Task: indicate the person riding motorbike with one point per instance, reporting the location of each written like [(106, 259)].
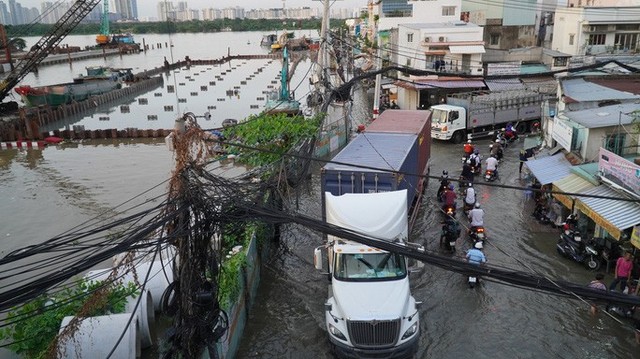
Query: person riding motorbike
[(467, 173), (492, 165), (449, 197), (450, 232), (510, 132), (469, 197), (444, 184), (496, 149), (476, 161), (475, 255), (476, 217), (468, 148)]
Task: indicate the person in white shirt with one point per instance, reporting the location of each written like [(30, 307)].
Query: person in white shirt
[(476, 217), (492, 164), (470, 196)]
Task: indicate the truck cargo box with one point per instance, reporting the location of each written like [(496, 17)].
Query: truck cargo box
[(392, 160), (417, 122)]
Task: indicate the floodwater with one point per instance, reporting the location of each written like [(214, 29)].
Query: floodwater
[(46, 192), (490, 321)]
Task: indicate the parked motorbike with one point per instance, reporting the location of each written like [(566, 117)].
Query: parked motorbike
[(477, 234), (570, 245), (540, 213), (489, 176)]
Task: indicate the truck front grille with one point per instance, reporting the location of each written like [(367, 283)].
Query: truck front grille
[(373, 333)]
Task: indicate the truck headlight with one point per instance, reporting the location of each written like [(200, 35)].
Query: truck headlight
[(411, 331), (336, 333)]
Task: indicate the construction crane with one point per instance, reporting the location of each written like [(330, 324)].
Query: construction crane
[(43, 47), (104, 36)]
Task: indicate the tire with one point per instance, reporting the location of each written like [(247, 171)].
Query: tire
[(522, 127), (592, 263), (457, 137)]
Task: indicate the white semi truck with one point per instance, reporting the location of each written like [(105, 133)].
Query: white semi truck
[(477, 114), (370, 311)]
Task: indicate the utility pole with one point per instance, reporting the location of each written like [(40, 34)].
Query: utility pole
[(373, 28)]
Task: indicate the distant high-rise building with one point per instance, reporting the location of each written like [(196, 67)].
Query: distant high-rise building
[(12, 12), (134, 7), (166, 11), (4, 13), (125, 9)]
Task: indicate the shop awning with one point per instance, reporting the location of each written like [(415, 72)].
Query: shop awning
[(571, 184), (613, 215), (550, 169), (467, 49)]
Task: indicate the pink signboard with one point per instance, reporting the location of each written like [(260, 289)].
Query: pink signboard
[(619, 170)]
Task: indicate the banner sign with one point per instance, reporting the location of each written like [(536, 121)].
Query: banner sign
[(562, 133), (619, 170)]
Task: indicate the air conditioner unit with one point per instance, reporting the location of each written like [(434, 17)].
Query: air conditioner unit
[(442, 39), (427, 39)]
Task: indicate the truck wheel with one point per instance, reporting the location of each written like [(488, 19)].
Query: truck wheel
[(457, 137), (522, 127)]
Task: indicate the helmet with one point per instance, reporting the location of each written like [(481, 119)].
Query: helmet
[(468, 141), (477, 204), (468, 162), (451, 187), (476, 151), (497, 141), (478, 245), (445, 173)]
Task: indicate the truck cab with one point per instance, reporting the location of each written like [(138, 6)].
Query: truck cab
[(448, 122), (370, 311)]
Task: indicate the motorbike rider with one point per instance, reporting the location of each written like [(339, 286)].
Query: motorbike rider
[(468, 148), (467, 173), (450, 230), (476, 161), (510, 132), (444, 184), (475, 255), (449, 197), (469, 197), (496, 149), (492, 164), (476, 217)]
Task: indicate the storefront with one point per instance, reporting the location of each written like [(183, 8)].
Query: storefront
[(612, 217), (572, 183)]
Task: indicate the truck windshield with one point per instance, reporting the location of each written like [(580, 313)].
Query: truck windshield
[(369, 267), (439, 116)]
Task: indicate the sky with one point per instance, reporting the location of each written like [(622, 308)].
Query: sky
[(148, 8)]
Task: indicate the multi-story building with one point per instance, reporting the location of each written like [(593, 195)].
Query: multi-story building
[(507, 24), (5, 17), (125, 8), (592, 29), (211, 14), (166, 11)]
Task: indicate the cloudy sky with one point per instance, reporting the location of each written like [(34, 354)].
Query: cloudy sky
[(148, 8)]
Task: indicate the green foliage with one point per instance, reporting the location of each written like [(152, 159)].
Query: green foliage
[(166, 27), (36, 323), (229, 279), (273, 134)]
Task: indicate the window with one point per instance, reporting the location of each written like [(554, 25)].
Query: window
[(626, 41), (494, 39), (597, 39), (448, 11), (571, 38), (560, 61), (410, 37)]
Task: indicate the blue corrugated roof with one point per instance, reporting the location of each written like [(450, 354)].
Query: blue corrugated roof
[(549, 169), (581, 90), (367, 150), (622, 214)]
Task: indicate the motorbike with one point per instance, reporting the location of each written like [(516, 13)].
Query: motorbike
[(540, 214), (489, 176), (443, 186), (449, 211), (477, 234), (450, 233), (472, 280), (570, 245)]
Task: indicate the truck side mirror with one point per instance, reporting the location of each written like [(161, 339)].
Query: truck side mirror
[(317, 258)]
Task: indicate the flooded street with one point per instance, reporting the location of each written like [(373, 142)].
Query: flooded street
[(48, 191), (493, 320)]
